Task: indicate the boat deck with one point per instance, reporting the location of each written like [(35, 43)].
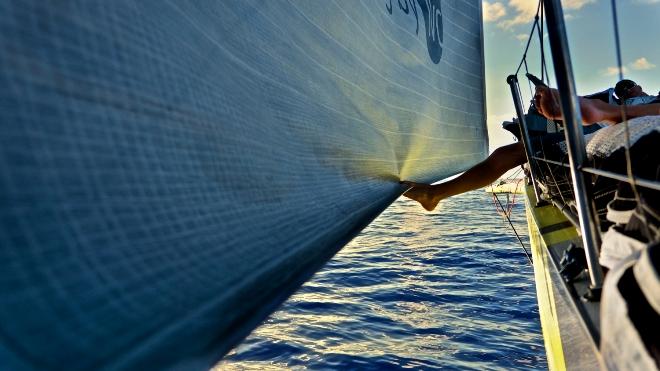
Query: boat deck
[(571, 326)]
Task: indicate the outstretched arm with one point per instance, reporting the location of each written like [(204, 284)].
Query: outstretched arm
[(480, 175), (546, 101)]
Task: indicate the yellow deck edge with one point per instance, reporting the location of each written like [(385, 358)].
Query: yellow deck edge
[(537, 217)]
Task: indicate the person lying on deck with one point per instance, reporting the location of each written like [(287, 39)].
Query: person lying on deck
[(632, 93), (507, 157)]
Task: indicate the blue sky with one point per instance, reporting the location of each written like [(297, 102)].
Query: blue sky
[(591, 41)]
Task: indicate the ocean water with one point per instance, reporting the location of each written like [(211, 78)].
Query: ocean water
[(450, 289)]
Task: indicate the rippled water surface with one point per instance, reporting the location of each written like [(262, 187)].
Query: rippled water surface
[(449, 289)]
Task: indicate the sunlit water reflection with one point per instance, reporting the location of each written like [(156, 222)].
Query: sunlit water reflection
[(415, 290)]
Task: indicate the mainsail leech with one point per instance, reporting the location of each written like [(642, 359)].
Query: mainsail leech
[(171, 171)]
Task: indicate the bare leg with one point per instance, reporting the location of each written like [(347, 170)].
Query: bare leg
[(480, 175)]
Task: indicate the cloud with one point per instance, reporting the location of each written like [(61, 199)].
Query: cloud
[(494, 11), (613, 71), (525, 10), (639, 64), (575, 4), (648, 1), (522, 36), (642, 64)]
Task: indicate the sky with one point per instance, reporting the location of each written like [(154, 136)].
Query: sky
[(590, 29)]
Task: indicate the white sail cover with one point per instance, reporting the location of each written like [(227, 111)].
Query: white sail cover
[(170, 171)]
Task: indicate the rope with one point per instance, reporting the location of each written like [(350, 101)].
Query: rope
[(509, 209), (515, 232), (510, 203)]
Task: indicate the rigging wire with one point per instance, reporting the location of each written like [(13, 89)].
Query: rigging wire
[(545, 76), (554, 180), (529, 258), (540, 29), (531, 33), (529, 40), (506, 212), (515, 174), (624, 113), (538, 26), (544, 73), (529, 83), (510, 203)]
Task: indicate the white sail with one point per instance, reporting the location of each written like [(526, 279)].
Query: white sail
[(171, 171)]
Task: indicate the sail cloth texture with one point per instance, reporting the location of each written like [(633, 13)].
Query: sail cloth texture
[(170, 171)]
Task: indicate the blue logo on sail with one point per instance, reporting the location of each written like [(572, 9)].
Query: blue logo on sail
[(432, 15)]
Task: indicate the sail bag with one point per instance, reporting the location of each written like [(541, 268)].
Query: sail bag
[(171, 171)]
